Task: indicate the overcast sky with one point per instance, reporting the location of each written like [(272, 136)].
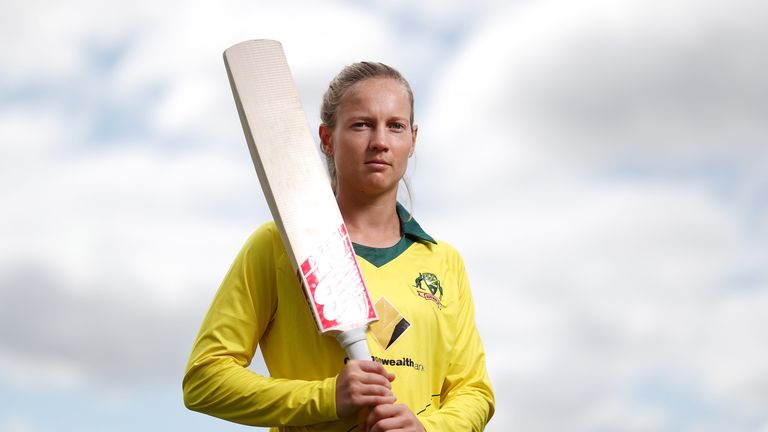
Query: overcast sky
[(601, 166)]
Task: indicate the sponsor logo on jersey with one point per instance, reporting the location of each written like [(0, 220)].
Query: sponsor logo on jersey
[(402, 362), (405, 361), (391, 324), (428, 287)]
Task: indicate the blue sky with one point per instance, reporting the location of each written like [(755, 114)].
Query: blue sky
[(599, 164)]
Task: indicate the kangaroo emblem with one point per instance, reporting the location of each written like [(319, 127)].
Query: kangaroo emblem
[(431, 281)]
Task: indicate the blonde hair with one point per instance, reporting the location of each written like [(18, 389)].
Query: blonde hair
[(345, 79)]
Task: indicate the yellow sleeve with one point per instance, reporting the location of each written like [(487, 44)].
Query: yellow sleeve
[(217, 381), (467, 401)]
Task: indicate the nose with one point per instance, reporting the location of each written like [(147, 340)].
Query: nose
[(379, 139)]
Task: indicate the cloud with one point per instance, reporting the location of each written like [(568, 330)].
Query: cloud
[(52, 338), (663, 85), (127, 183), (130, 217), (133, 141), (179, 58), (600, 167), (15, 424)]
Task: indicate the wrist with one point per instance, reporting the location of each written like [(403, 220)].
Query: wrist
[(328, 398)]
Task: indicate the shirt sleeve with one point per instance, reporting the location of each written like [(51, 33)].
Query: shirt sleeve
[(217, 379), (467, 401)]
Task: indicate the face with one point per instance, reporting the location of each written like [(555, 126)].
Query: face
[(373, 137)]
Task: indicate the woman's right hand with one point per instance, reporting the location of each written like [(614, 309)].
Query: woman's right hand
[(362, 384)]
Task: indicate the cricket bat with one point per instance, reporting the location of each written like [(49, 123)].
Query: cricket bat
[(298, 191)]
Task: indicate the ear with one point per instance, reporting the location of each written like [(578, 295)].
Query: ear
[(326, 139), (414, 133)]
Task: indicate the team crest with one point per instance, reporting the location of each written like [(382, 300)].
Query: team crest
[(428, 287)]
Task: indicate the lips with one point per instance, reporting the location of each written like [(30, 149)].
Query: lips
[(377, 162)]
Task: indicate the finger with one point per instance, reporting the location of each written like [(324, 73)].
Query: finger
[(370, 369), (370, 389), (379, 413), (377, 368), (374, 379), (388, 424), (351, 377), (359, 390), (357, 402), (371, 366), (373, 401), (392, 418)]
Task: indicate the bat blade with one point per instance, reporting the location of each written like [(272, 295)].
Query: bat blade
[(296, 186)]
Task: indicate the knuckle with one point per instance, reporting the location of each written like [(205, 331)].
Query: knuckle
[(379, 410)]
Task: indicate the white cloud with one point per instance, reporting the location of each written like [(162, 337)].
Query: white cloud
[(91, 210), (44, 41), (30, 136), (181, 59), (597, 163), (660, 83), (733, 357), (29, 373), (142, 227), (16, 424), (587, 298), (445, 14), (131, 214)]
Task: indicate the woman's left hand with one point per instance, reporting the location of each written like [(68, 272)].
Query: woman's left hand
[(388, 417)]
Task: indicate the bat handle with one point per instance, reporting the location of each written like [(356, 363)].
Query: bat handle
[(353, 341)]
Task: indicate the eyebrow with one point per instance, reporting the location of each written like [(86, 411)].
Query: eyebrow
[(369, 117)]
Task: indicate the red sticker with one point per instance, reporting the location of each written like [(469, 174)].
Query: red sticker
[(335, 284)]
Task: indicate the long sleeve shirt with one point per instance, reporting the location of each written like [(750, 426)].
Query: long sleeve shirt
[(426, 336)]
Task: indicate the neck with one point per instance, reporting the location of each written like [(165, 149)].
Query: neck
[(371, 221)]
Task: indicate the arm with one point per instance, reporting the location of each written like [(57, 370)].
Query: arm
[(217, 381), (467, 401)]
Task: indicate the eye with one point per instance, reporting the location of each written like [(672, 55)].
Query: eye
[(360, 124), (399, 126)]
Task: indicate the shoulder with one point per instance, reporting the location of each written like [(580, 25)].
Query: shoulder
[(444, 251), (264, 240), (267, 232), (444, 247)]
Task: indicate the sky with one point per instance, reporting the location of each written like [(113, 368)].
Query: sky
[(599, 164)]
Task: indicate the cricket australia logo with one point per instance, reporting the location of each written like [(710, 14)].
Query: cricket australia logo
[(428, 287)]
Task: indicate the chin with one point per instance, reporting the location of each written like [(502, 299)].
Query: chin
[(377, 189)]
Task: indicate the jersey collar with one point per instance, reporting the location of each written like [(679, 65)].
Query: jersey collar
[(412, 233), (410, 228)]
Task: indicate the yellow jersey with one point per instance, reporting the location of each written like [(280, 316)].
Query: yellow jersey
[(425, 335)]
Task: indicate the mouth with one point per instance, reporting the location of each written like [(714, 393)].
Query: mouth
[(377, 165)]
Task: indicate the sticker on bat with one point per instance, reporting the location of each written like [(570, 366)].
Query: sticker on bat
[(335, 284)]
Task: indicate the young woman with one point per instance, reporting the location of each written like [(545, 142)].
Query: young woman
[(428, 367)]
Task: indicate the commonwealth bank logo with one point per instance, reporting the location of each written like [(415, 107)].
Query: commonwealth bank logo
[(390, 326)]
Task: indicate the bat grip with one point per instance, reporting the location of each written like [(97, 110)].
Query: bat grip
[(353, 341)]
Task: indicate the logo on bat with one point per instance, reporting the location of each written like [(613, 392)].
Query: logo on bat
[(429, 288)]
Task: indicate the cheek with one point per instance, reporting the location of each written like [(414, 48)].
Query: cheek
[(343, 154), (348, 146), (406, 149)]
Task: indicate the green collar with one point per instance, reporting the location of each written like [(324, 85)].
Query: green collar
[(412, 232), (411, 228)]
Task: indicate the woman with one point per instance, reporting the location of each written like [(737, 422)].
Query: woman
[(428, 369)]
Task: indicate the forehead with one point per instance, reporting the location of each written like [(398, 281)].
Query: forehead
[(377, 93)]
